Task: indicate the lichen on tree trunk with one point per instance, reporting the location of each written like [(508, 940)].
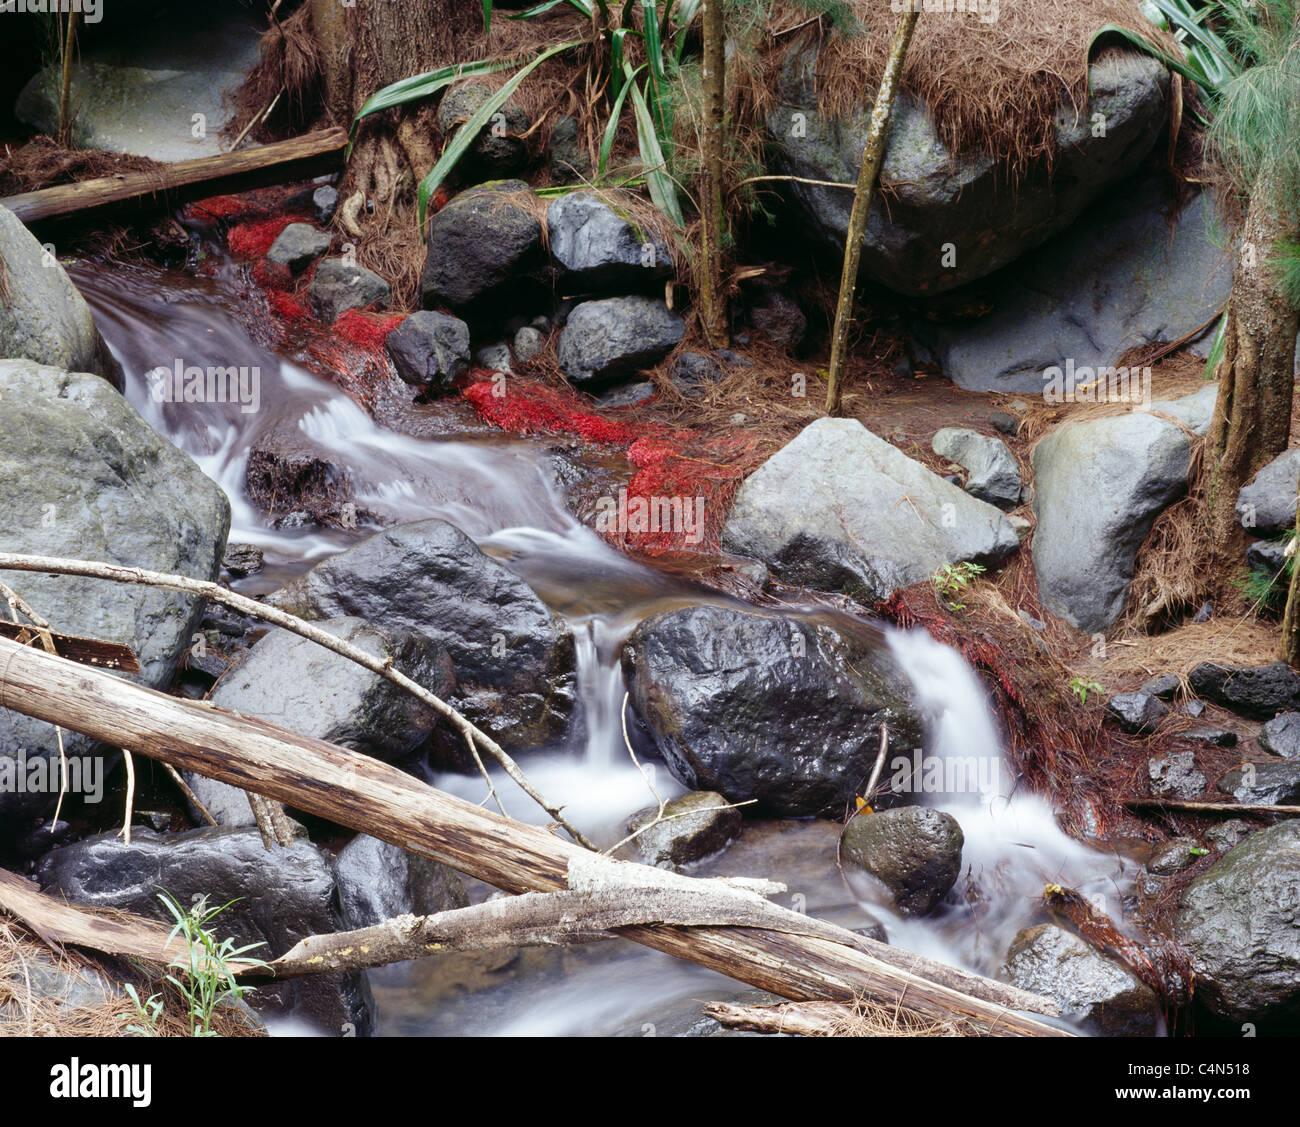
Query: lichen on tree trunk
[(1252, 415)]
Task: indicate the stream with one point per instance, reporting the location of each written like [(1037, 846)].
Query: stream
[(503, 493)]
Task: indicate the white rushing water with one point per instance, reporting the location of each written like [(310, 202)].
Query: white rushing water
[(505, 495)]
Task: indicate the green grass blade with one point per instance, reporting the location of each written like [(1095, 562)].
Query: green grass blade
[(662, 189), (421, 86), (487, 17), (584, 6), (658, 84), (468, 133), (1217, 347), (616, 54), (611, 126)]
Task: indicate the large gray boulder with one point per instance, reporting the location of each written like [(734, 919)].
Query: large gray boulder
[(83, 476), (841, 509), (725, 695), (291, 681), (1266, 504), (1237, 921), (596, 248), (514, 658), (940, 197), (693, 826), (1125, 274), (42, 316), (153, 87), (1102, 996), (1098, 488), (483, 249), (280, 897), (604, 341)]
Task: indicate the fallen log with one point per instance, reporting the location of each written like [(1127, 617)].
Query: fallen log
[(373, 797), (186, 180), (823, 1019)]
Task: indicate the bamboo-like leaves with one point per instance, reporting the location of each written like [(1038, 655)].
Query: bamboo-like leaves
[(663, 191)]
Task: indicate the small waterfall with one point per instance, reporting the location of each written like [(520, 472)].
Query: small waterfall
[(1013, 845)]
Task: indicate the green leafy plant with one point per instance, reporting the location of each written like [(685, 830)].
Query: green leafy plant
[(146, 1014), (1264, 590), (1081, 687), (205, 979), (952, 580), (648, 84)]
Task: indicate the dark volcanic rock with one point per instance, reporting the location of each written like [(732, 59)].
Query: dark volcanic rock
[(289, 473), (1274, 784), (914, 851), (1175, 775), (298, 246), (339, 285), (727, 694), (279, 898), (1165, 686), (1281, 736), (499, 149), (1266, 505), (1138, 713), (1101, 995), (1237, 921), (513, 657), (607, 340), (483, 250), (430, 348), (1258, 691), (378, 881), (598, 249)]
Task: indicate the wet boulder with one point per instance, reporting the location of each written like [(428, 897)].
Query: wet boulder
[(430, 348), (291, 681), (725, 695), (1174, 857), (1281, 736), (1272, 784), (1175, 775), (938, 196), (1257, 691), (693, 826), (1137, 713), (1238, 923), (83, 476), (596, 248), (1099, 487), (616, 337), (914, 851), (43, 318), (280, 897), (484, 251), (513, 658), (298, 246), (378, 881), (841, 509), (294, 479), (339, 285), (1266, 504), (1102, 996)]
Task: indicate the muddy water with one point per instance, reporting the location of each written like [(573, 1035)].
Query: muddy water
[(505, 494)]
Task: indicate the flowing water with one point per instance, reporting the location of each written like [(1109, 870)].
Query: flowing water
[(505, 495)]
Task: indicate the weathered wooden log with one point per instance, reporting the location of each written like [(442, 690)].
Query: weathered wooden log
[(383, 801), (277, 163), (1195, 807)]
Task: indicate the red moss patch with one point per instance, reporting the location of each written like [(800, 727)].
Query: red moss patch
[(256, 237), (287, 307), (367, 330), (272, 275)]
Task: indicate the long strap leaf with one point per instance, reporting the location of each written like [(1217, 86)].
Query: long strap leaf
[(422, 86), (663, 192), (468, 133)]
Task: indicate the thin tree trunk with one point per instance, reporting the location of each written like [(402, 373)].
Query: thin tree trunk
[(813, 960), (873, 154), (67, 47), (1289, 650), (713, 311), (1252, 415)]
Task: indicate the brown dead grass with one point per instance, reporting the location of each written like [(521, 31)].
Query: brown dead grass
[(30, 1015), (993, 88), (42, 163)]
